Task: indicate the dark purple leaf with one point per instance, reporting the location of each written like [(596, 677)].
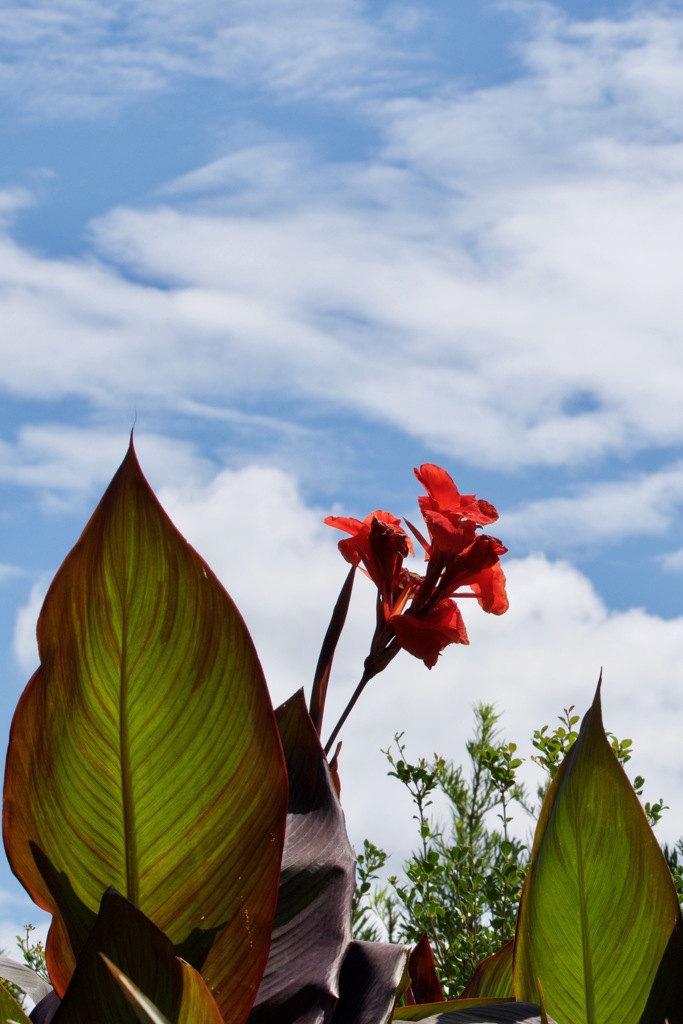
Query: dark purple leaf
[(312, 928), (324, 666), (369, 978), (44, 1011)]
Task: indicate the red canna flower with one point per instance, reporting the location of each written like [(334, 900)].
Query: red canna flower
[(414, 612), (419, 613)]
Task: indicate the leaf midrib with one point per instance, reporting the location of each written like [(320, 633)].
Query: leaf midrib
[(585, 943), (130, 846)]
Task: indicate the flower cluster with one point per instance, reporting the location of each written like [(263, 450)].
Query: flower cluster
[(419, 613)]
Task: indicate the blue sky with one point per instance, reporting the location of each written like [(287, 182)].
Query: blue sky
[(307, 247)]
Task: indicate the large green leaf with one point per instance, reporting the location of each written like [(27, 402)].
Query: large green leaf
[(125, 948), (599, 909), (144, 752), (312, 927)]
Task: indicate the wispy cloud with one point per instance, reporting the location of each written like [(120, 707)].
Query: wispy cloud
[(83, 59), (498, 281), (10, 572), (673, 561), (69, 465), (645, 503)]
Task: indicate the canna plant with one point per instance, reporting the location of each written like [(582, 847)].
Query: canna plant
[(188, 840)]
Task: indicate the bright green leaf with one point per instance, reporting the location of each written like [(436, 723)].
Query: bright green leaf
[(10, 1010), (599, 907), (144, 752)]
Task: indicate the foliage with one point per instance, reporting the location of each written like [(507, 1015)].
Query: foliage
[(462, 885), (33, 953)]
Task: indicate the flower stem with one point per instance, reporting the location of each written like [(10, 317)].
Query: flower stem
[(375, 663), (364, 680)]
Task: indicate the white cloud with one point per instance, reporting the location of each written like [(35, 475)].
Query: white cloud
[(10, 572), (397, 321), (673, 561), (499, 282), (12, 200), (643, 503), (84, 59), (24, 641), (69, 465)]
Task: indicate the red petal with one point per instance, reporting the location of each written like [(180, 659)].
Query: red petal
[(426, 637), (352, 526), (490, 589), (450, 535), (438, 485)]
